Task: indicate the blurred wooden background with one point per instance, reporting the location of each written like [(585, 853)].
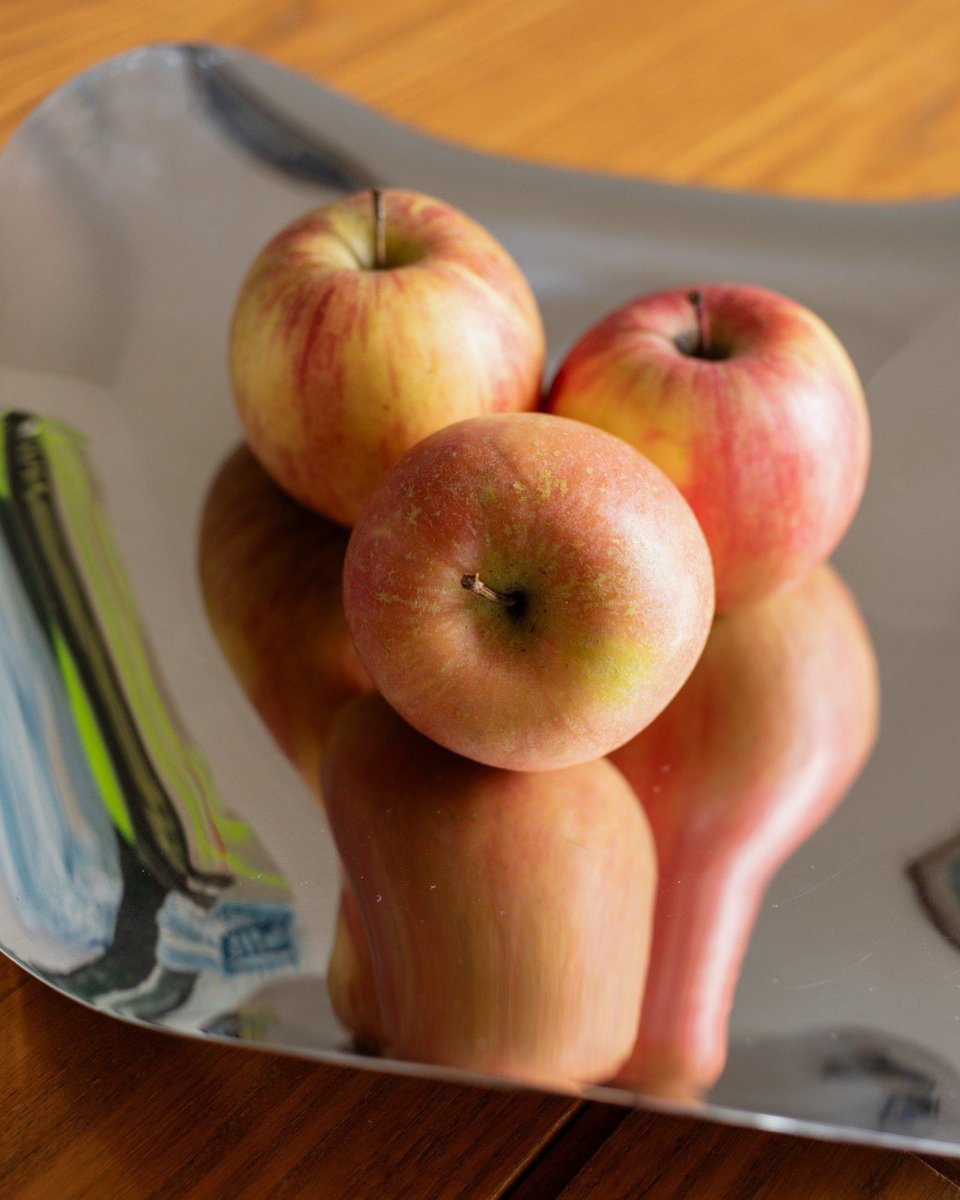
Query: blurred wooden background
[(819, 97), (812, 97)]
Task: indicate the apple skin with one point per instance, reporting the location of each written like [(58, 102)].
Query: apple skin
[(764, 740), (609, 564), (338, 367), (769, 444), (270, 575), (508, 913)]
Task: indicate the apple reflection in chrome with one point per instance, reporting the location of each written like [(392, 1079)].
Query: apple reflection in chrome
[(508, 913), (763, 741)]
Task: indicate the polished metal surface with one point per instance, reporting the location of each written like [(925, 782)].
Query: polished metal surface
[(159, 858)]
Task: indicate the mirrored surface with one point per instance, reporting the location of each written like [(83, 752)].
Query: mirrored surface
[(164, 858)]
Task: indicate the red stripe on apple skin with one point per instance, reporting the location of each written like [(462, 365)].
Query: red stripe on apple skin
[(761, 744), (614, 571), (770, 445), (337, 369)]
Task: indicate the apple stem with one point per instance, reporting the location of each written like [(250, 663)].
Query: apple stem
[(703, 334), (379, 230), (473, 583)]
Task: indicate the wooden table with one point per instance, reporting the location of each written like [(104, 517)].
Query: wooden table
[(828, 99)]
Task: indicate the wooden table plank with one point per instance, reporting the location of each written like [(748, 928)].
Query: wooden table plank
[(654, 1156), (561, 1160), (949, 1168), (94, 1107), (844, 100)]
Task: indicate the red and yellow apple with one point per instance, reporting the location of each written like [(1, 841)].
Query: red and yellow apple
[(761, 744), (527, 591), (355, 335), (507, 913), (751, 405), (270, 573)]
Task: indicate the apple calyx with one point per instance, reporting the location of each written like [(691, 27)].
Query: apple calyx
[(379, 230), (473, 583), (699, 345)]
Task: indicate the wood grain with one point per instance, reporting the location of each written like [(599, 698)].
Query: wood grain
[(93, 1107), (815, 97), (949, 1168), (827, 98), (654, 1156)]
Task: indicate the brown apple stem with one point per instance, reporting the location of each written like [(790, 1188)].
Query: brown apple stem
[(703, 334), (473, 583), (379, 230)]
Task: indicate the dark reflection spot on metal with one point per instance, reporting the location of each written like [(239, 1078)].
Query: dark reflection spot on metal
[(269, 135), (913, 1095), (936, 877), (847, 1075), (873, 1063)]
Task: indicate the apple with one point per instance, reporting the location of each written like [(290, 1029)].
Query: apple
[(527, 591), (508, 913), (761, 744), (270, 574), (368, 324), (750, 404)]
